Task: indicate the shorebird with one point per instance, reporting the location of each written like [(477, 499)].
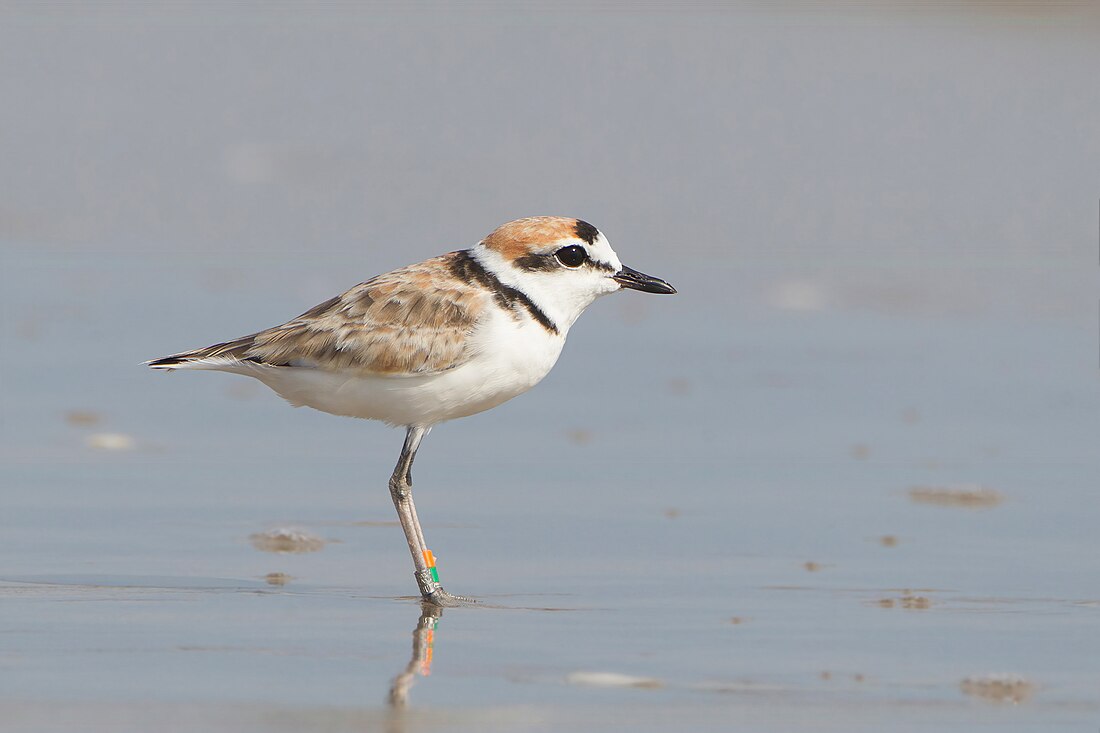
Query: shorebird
[(448, 337)]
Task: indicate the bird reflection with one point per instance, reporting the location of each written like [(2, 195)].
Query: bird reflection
[(421, 660)]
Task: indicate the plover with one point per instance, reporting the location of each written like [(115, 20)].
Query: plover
[(445, 338)]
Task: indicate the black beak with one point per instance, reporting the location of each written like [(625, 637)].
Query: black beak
[(630, 278)]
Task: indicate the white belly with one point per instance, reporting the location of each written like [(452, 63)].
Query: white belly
[(508, 359)]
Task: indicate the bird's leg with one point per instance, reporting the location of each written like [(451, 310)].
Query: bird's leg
[(401, 492), (427, 577)]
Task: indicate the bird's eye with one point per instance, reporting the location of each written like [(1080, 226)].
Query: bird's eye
[(572, 256)]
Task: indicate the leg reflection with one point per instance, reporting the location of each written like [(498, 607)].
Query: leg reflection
[(421, 661)]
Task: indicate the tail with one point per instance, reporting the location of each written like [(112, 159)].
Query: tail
[(218, 356)]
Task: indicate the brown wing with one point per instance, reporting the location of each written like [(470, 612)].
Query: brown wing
[(415, 320)]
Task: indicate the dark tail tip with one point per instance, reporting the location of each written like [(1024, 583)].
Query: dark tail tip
[(166, 362)]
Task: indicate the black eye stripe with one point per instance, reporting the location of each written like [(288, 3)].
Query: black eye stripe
[(549, 262), (536, 263)]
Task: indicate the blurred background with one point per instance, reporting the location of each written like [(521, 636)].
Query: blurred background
[(850, 467)]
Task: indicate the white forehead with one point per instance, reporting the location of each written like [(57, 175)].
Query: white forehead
[(600, 250)]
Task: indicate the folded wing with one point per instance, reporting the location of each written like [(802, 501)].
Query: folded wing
[(412, 321)]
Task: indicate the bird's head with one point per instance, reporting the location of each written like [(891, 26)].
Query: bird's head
[(562, 263)]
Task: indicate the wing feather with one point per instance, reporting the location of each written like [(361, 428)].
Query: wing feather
[(412, 321)]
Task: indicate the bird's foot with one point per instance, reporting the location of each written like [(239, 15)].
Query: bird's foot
[(432, 592), (440, 597)]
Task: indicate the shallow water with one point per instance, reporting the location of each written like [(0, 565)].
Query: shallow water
[(845, 480), (738, 559)]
